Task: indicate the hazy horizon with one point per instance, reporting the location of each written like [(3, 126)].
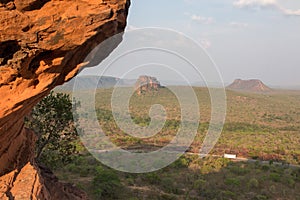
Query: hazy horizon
[(224, 39), (247, 39), (166, 82)]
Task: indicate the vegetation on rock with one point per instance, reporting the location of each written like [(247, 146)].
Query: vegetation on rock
[(52, 120)]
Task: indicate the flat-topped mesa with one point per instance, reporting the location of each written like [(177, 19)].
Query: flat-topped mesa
[(44, 43), (146, 84), (252, 85)]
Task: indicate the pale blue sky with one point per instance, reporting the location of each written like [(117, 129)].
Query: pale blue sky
[(246, 38)]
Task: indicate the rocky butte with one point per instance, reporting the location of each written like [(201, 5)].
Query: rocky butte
[(253, 85), (43, 43), (146, 84)]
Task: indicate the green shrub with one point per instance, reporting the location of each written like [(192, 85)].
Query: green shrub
[(169, 185), (290, 182), (153, 178), (80, 186), (84, 171), (130, 181), (200, 184), (79, 160), (260, 197), (253, 183), (274, 177), (246, 127), (265, 168), (91, 161), (168, 197), (72, 167), (182, 162), (106, 183), (141, 121), (228, 194), (272, 189), (232, 181), (238, 170), (212, 164)]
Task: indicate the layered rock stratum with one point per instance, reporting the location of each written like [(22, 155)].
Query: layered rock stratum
[(44, 43), (252, 85)]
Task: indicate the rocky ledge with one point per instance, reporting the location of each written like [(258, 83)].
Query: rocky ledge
[(43, 43)]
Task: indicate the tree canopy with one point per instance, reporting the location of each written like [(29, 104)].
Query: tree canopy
[(53, 121)]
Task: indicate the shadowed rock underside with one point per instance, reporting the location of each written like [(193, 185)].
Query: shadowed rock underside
[(44, 43)]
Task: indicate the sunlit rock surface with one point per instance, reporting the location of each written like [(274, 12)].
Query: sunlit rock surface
[(43, 43)]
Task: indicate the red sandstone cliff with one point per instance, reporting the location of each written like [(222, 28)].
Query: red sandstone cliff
[(43, 44)]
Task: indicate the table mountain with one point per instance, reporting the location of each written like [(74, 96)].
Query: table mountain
[(146, 84), (253, 85)]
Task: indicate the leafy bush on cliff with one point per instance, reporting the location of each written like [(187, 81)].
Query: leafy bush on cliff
[(52, 120)]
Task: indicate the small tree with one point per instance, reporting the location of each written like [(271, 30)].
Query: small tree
[(52, 120)]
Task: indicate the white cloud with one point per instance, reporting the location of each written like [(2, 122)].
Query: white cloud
[(205, 43), (238, 24), (202, 20), (259, 4), (254, 3), (290, 12)]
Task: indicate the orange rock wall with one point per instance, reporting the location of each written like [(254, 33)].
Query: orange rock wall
[(43, 43)]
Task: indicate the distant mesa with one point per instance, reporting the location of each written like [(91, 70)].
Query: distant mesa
[(146, 84), (253, 85), (96, 82)]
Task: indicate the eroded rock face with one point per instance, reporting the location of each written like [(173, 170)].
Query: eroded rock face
[(43, 43), (146, 84)]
